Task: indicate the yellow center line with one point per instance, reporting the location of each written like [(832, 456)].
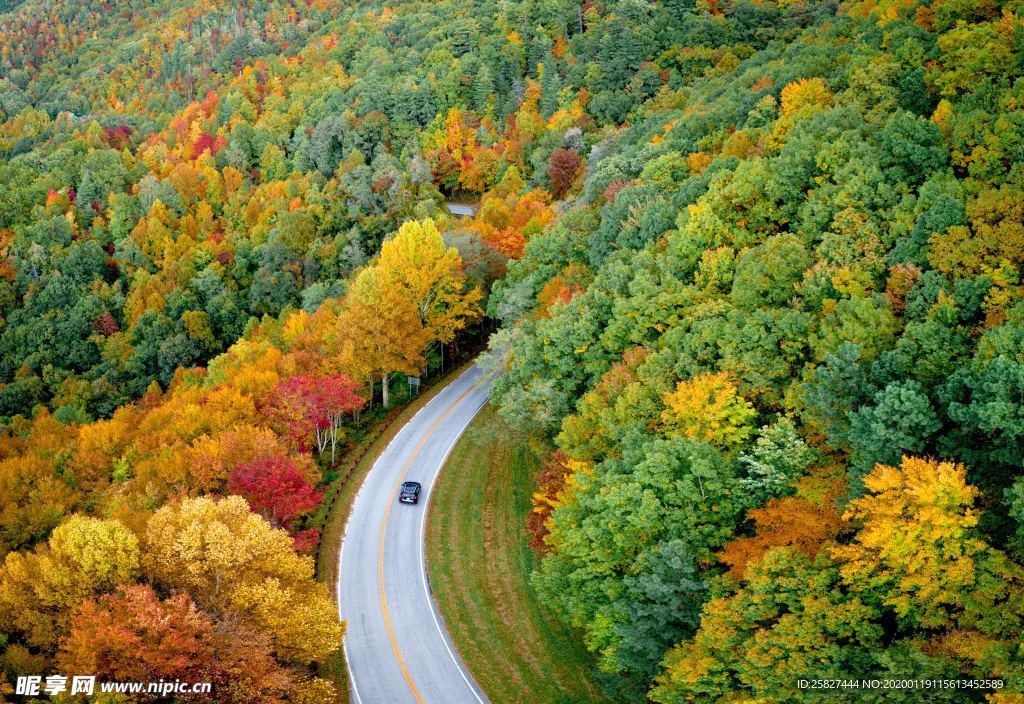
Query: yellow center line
[(380, 548)]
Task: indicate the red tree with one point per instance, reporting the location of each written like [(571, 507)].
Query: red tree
[(562, 168), (275, 489), (133, 635), (311, 405), (305, 540), (204, 143), (550, 479), (105, 324)]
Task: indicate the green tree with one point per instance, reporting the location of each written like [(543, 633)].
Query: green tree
[(660, 491), (790, 621), (900, 419), (550, 85), (766, 275), (661, 604), (483, 90), (103, 174)]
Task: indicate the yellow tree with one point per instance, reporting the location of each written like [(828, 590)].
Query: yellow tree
[(85, 557), (417, 263), (33, 498), (916, 550), (234, 564), (709, 408), (379, 330), (919, 554)]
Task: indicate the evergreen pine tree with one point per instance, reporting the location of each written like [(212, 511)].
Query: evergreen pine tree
[(483, 90), (549, 87)]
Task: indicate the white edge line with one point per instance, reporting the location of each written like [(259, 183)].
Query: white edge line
[(351, 677), (473, 687), (341, 557)]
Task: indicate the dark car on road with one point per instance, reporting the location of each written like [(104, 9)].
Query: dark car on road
[(410, 493)]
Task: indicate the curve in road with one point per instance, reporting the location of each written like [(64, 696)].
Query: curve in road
[(397, 647)]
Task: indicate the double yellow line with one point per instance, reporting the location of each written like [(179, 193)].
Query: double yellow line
[(380, 548)]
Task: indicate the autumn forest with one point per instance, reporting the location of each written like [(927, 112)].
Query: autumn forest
[(750, 272)]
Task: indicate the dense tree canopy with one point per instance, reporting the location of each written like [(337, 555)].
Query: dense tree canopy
[(775, 325)]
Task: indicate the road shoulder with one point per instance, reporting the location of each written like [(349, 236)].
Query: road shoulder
[(479, 565)]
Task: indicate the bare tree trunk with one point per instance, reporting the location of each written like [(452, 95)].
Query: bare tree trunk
[(384, 389)]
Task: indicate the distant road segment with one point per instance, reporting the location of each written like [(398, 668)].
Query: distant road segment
[(462, 209)]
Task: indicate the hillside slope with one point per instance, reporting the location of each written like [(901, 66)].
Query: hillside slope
[(777, 337)]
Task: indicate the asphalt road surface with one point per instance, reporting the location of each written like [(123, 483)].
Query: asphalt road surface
[(397, 647), (461, 209)]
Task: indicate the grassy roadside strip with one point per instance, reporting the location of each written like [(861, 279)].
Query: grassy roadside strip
[(479, 564), (332, 516)]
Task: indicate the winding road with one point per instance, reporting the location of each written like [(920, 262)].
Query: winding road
[(396, 644)]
